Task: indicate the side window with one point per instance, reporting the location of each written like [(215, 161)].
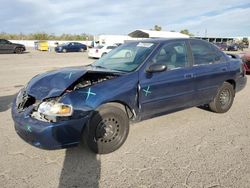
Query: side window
[(173, 55), (3, 42), (203, 53)]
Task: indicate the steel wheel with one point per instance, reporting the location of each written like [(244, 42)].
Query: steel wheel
[(224, 99), (107, 130)]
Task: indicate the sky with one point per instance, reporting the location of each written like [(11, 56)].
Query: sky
[(228, 18)]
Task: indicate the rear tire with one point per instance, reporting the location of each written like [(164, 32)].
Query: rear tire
[(224, 99), (107, 129)]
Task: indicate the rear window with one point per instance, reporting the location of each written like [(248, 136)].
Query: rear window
[(203, 53)]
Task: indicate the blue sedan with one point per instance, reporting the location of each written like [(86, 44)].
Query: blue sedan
[(136, 81), (71, 47)]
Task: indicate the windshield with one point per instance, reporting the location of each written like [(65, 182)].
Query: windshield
[(126, 57)]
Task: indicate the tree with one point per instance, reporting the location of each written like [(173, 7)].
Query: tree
[(186, 32), (245, 41), (157, 28), (45, 36)]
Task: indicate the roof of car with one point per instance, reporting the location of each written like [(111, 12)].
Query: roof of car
[(163, 40), (166, 39)]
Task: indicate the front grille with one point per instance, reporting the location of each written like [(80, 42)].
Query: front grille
[(24, 100)]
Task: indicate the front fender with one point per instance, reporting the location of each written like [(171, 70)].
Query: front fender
[(122, 89)]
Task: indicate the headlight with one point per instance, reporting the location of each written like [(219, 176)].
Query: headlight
[(55, 109)]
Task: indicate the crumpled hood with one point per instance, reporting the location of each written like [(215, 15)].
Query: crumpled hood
[(54, 83)]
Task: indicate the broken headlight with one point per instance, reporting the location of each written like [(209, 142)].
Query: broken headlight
[(52, 108)]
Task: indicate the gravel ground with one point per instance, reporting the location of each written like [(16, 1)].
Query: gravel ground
[(190, 148)]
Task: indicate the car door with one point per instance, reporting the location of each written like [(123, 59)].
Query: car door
[(169, 90), (70, 47), (5, 46), (1, 46), (75, 47), (210, 67)]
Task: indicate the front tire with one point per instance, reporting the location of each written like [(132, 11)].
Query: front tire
[(107, 130), (64, 51), (18, 50), (224, 99)]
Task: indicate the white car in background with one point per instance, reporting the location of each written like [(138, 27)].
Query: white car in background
[(100, 50)]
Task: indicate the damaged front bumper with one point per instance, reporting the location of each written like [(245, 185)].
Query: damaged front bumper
[(47, 135)]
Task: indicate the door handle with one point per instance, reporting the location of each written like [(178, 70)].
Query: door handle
[(189, 75)]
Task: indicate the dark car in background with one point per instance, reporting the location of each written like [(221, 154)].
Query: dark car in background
[(71, 47), (97, 102), (9, 47), (221, 46), (233, 47)]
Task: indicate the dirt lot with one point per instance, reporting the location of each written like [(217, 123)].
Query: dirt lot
[(191, 148)]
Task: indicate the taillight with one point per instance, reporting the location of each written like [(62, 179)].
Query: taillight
[(244, 69), (96, 51)]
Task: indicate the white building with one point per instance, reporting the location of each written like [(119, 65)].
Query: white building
[(111, 39), (142, 33)]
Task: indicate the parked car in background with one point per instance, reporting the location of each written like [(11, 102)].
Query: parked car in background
[(135, 81), (9, 47), (221, 46), (246, 59), (233, 47), (100, 50), (71, 47)]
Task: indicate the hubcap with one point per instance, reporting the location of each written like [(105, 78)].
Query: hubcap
[(107, 130), (225, 97)]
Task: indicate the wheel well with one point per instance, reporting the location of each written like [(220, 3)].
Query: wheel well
[(232, 82), (130, 113)]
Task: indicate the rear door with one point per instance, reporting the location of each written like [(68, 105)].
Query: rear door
[(75, 47), (210, 70), (172, 89)]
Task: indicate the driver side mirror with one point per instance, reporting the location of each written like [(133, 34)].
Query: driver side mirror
[(156, 68)]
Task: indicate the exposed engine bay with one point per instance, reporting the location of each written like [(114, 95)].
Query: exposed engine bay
[(93, 78)]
